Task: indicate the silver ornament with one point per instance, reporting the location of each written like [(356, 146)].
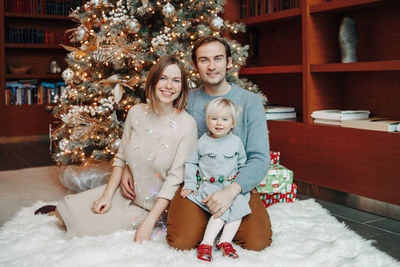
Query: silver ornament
[(132, 25), (168, 10), (67, 75), (217, 23), (81, 34)]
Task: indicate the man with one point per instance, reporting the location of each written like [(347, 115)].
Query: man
[(186, 221)]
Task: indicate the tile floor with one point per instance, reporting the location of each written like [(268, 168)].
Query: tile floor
[(385, 231)]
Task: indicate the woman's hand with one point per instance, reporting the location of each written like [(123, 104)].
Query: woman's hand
[(186, 192), (102, 205), (127, 184), (144, 232)]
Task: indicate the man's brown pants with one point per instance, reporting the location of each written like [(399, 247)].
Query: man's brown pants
[(187, 222)]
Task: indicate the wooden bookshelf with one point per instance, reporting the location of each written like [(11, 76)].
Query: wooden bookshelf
[(299, 65), (22, 120), (35, 16), (34, 46)]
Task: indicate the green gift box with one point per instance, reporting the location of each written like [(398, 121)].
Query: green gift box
[(278, 180)]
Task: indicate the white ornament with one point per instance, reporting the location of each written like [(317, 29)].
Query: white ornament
[(118, 92), (63, 144), (168, 10), (81, 34), (217, 23), (132, 25), (67, 75)]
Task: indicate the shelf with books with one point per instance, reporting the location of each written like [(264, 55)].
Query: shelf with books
[(29, 46), (385, 65), (289, 14), (283, 89), (377, 91)]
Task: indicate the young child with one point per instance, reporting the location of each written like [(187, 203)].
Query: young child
[(211, 166)]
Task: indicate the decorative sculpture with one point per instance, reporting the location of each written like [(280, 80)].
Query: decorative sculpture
[(348, 40)]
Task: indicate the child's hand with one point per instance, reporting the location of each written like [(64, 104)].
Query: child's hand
[(186, 192), (101, 206)]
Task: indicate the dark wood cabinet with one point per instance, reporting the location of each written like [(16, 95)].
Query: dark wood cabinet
[(298, 64), (21, 120)]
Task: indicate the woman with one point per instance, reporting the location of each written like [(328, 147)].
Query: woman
[(156, 140)]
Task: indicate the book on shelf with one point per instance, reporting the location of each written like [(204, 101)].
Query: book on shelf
[(377, 124), (328, 122), (281, 115), (340, 115), (278, 109), (251, 8), (275, 112), (28, 92)]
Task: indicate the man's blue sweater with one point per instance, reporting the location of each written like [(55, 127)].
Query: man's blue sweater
[(251, 128)]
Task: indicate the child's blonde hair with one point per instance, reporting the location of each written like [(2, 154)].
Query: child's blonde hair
[(219, 104)]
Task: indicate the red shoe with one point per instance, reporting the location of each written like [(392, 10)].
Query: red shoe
[(204, 252), (227, 250)]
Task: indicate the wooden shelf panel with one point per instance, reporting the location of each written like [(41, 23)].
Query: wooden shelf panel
[(24, 120), (33, 76), (272, 70), (288, 138), (275, 16), (356, 161), (35, 16), (387, 65), (341, 5), (34, 46)]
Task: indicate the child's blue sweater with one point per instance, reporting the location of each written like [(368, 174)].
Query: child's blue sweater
[(251, 128)]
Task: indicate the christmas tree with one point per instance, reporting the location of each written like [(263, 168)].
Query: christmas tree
[(116, 44)]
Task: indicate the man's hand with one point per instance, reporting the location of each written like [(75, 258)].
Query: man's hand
[(219, 201), (127, 184)]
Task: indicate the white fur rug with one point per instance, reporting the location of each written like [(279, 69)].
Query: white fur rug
[(304, 235)]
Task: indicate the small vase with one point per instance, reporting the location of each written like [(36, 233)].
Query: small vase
[(348, 40)]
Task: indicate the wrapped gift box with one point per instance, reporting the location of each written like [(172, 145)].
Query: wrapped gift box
[(274, 157), (269, 199), (278, 180)]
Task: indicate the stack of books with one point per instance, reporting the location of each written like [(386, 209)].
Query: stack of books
[(336, 116), (376, 124), (273, 112)]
